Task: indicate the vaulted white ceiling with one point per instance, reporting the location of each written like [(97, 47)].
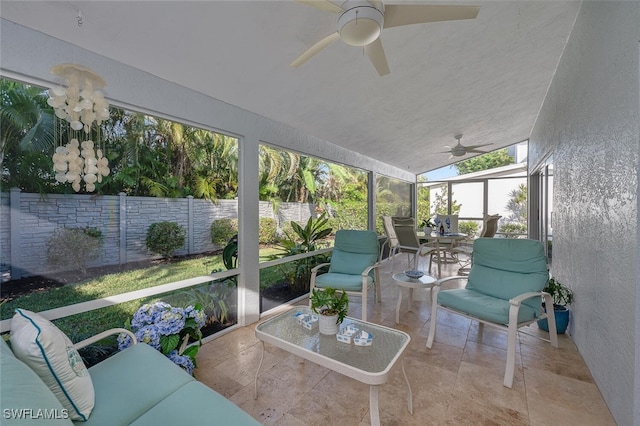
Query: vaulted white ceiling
[(485, 78)]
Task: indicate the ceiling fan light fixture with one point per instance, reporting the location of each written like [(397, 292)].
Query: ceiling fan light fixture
[(360, 25)]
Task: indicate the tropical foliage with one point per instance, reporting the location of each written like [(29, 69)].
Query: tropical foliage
[(303, 240), (484, 162)]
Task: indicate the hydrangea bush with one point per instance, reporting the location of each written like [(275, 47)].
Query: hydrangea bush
[(168, 329)]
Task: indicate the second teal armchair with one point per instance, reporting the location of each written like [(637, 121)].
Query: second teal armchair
[(354, 266), (504, 290)]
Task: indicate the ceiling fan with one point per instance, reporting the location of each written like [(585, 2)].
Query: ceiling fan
[(360, 23), (459, 150)]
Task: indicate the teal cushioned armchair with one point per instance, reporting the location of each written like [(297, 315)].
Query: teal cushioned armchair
[(353, 267), (504, 289)]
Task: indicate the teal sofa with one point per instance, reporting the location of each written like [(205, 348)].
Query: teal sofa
[(138, 386)]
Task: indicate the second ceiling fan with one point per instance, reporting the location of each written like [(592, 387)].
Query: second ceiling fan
[(460, 150), (361, 22)]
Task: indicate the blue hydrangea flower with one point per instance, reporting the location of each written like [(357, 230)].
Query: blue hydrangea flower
[(149, 335), (124, 341), (142, 317), (182, 361), (171, 321), (197, 314)]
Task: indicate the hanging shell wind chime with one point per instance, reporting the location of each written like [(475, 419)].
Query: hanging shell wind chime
[(80, 104)]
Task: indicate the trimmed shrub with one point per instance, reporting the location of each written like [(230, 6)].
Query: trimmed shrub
[(267, 230), (513, 228), (469, 227), (164, 238), (71, 248), (222, 230)]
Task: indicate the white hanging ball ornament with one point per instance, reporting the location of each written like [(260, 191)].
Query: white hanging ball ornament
[(90, 187), (60, 166), (90, 178), (61, 177), (86, 104), (76, 186), (61, 114), (58, 91), (76, 125)]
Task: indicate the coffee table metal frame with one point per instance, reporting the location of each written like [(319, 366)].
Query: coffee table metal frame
[(368, 364), (425, 281)]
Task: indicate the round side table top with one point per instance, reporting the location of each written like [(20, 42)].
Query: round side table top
[(424, 281)]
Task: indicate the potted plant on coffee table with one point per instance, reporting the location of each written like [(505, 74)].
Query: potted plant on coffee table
[(562, 296), (331, 307)]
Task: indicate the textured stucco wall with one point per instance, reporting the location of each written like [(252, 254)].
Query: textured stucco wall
[(589, 123)]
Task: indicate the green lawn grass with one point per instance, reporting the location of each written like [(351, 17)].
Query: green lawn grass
[(89, 323)]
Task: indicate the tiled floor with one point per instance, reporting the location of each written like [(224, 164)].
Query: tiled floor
[(457, 382)]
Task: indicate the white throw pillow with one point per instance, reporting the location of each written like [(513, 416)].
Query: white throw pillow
[(38, 343)]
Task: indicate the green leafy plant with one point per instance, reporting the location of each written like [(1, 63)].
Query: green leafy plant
[(230, 253), (328, 302), (164, 238), (303, 240), (427, 222), (72, 248), (561, 294)]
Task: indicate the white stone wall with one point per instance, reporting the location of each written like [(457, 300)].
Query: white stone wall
[(589, 123)]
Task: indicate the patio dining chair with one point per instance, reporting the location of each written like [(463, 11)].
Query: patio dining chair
[(489, 229), (408, 242), (504, 290), (353, 267)]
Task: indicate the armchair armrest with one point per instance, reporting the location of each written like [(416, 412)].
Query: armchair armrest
[(522, 297), (366, 271), (106, 333), (441, 281), (316, 268)]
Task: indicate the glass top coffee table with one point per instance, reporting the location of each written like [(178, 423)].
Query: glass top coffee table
[(367, 364)]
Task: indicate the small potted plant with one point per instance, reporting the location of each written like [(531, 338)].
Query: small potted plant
[(562, 296), (331, 307), (427, 226)]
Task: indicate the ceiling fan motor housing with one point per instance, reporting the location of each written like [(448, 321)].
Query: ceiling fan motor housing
[(360, 24)]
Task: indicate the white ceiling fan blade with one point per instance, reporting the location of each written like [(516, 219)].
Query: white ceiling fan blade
[(310, 52), (325, 5), (375, 52), (396, 15)]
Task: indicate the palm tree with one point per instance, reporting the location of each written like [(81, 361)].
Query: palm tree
[(26, 136)]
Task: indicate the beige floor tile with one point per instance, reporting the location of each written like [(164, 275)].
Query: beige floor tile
[(456, 382)]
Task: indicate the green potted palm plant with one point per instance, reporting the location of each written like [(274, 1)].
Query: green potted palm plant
[(331, 307), (562, 297)]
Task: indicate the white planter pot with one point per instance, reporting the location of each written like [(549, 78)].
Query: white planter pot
[(328, 324), (427, 230)]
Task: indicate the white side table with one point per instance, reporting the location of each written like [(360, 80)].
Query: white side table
[(425, 281)]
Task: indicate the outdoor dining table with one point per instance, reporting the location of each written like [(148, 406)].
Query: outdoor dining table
[(438, 238)]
